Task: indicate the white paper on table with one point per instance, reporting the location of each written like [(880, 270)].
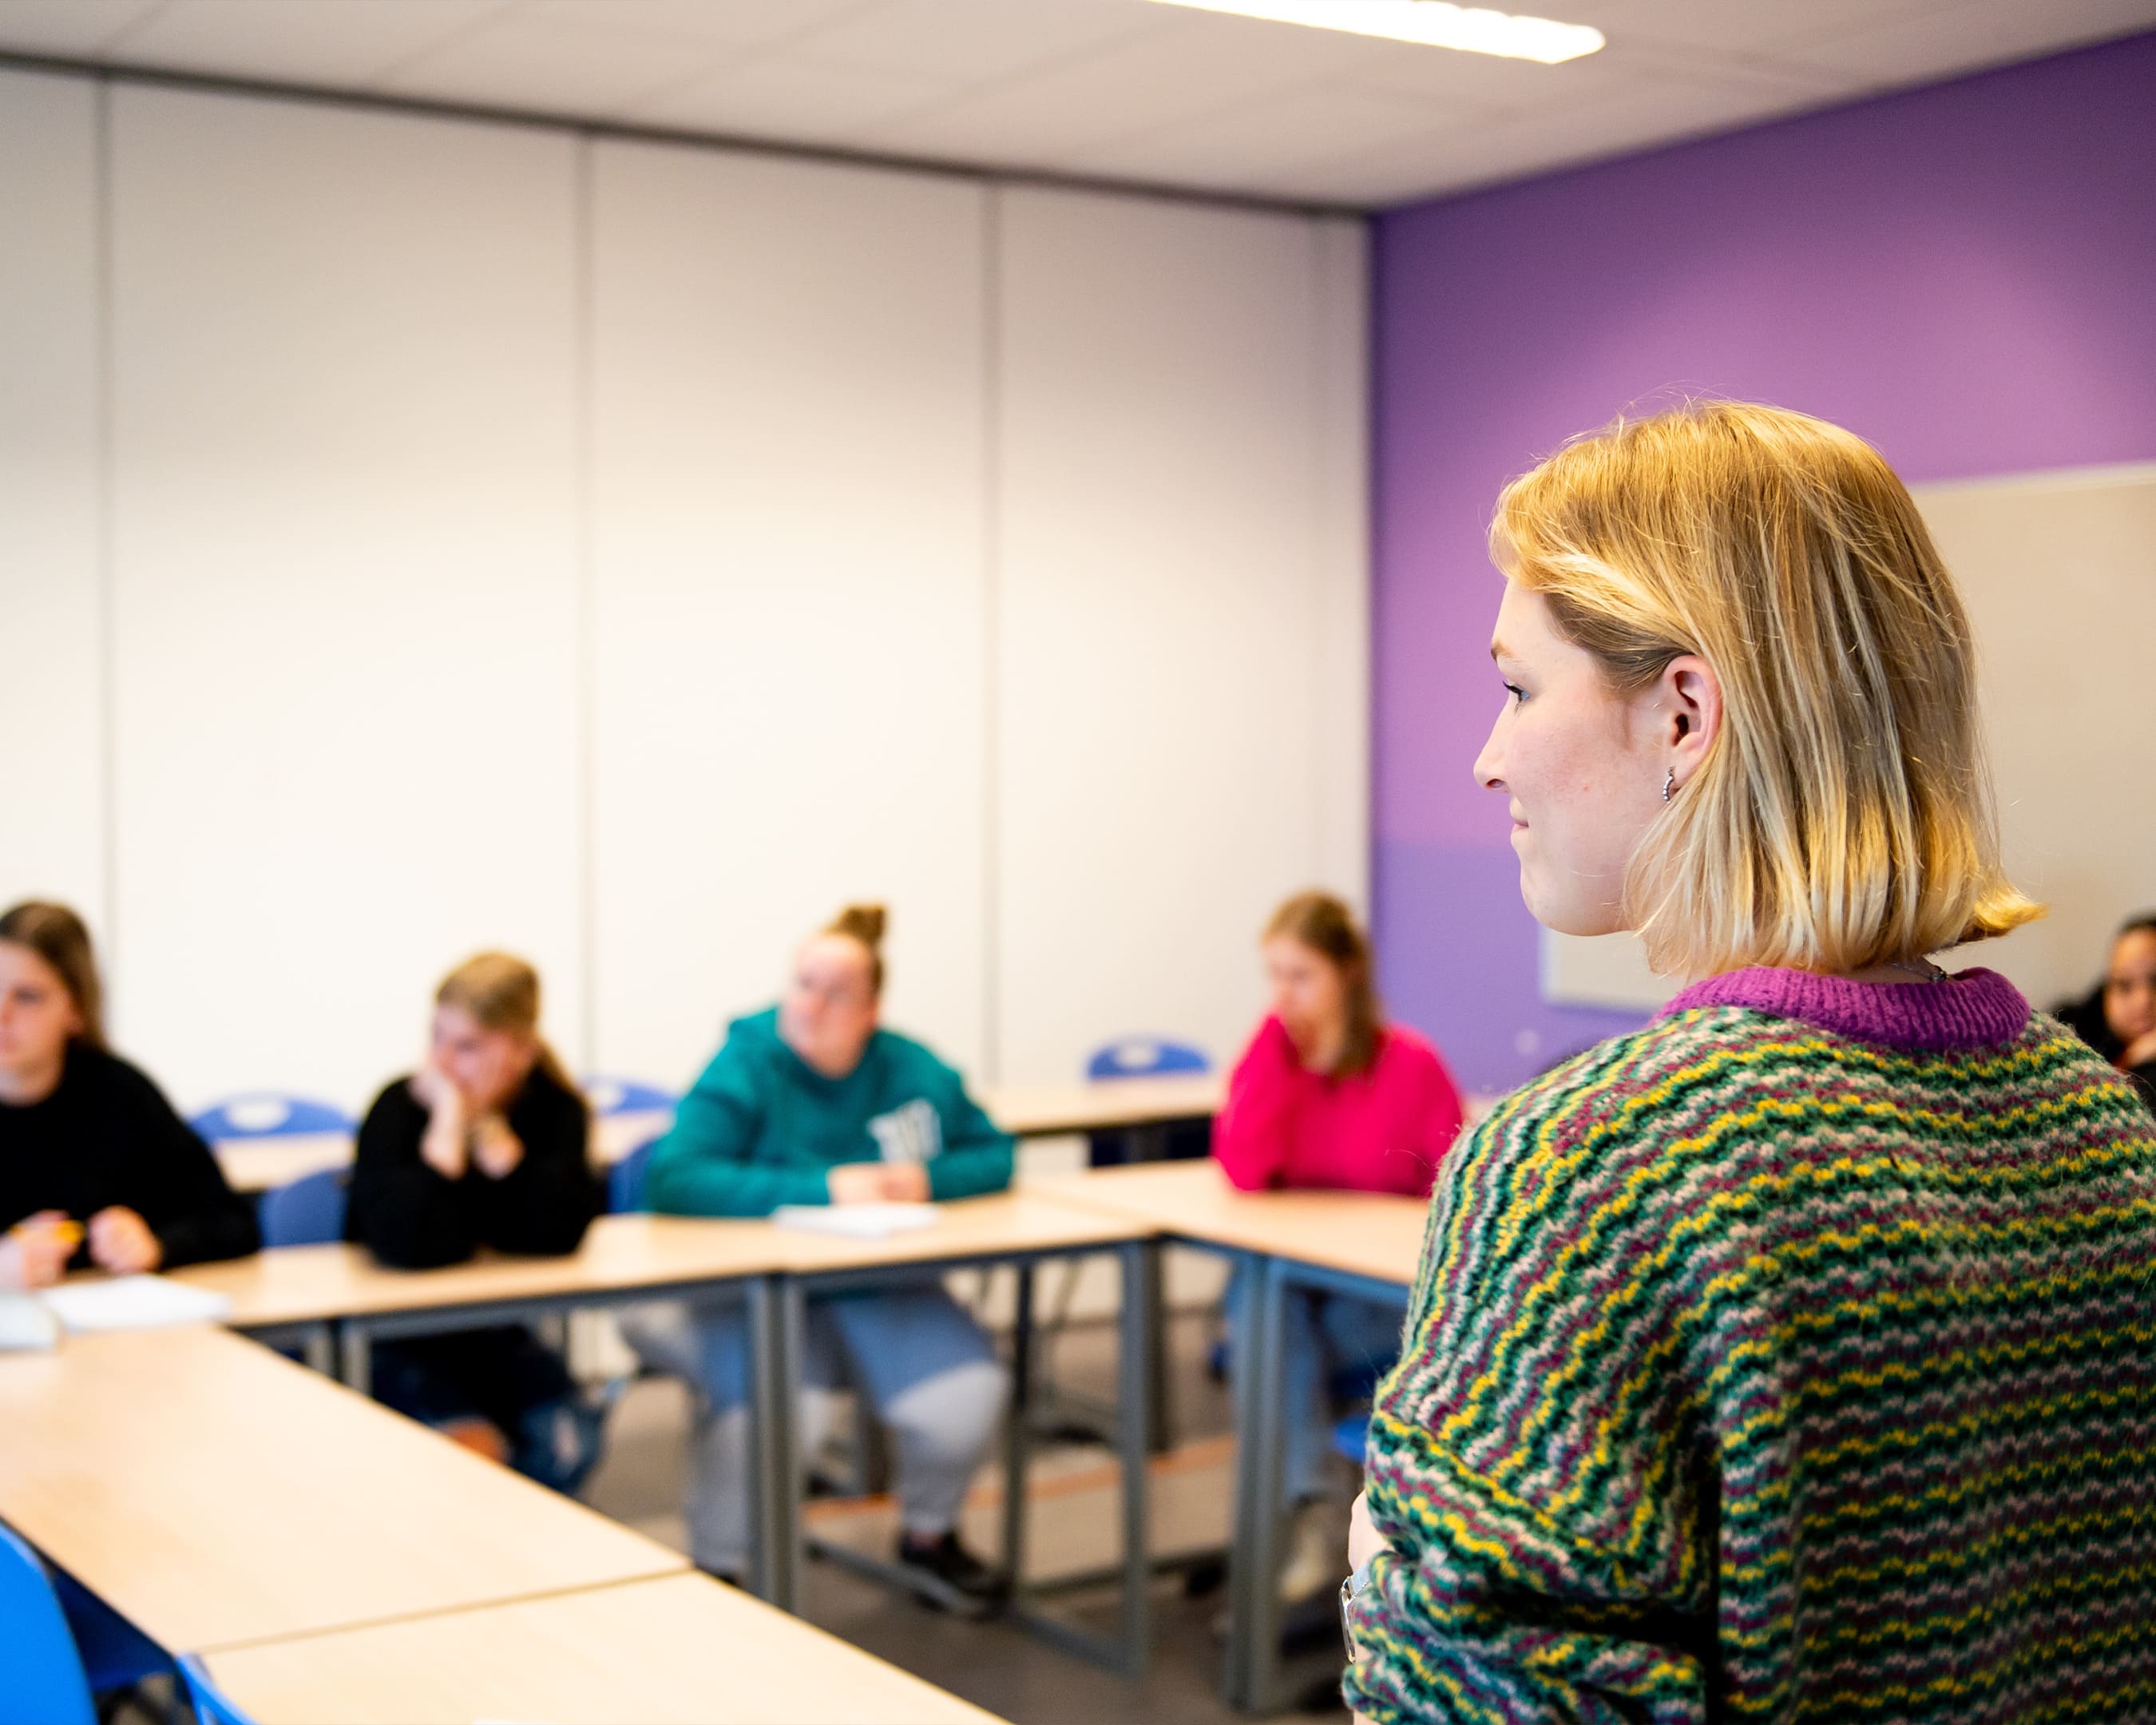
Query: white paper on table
[(25, 1325), (133, 1302), (859, 1221)]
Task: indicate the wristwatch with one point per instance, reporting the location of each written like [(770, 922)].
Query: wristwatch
[(1351, 1590)]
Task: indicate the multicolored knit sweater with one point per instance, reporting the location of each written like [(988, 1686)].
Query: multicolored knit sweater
[(1793, 1357)]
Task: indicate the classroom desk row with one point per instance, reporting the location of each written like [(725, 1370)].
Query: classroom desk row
[(272, 1467), (1144, 1106), (330, 1561)]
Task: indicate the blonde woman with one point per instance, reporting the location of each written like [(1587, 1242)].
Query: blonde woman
[(485, 1145), (1790, 1358)]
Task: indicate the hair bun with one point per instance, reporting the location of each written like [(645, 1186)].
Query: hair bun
[(864, 923)]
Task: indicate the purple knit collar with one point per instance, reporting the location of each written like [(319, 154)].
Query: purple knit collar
[(1971, 1009)]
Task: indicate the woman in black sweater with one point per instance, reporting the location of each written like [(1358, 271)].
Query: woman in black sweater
[(485, 1145), (95, 1168), (2118, 1018)]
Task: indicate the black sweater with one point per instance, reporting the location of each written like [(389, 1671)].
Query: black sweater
[(2085, 1018), (411, 1218), (106, 1136)]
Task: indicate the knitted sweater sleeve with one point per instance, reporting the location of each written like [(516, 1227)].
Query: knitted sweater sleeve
[(1528, 1460)]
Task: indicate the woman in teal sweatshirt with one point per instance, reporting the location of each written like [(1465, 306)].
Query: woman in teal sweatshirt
[(813, 1102)]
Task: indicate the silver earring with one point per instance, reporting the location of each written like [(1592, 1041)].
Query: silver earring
[(1670, 784)]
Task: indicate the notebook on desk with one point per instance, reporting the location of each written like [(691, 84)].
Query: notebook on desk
[(130, 1302), (856, 1221)]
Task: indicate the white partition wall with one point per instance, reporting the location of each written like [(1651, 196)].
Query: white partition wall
[(52, 689), (425, 535), (1180, 630), (787, 501), (344, 604)]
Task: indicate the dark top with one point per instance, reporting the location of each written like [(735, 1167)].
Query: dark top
[(411, 1218), (106, 1136), (2085, 1018)]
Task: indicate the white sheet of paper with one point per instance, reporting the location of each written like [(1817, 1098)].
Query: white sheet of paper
[(132, 1302), (859, 1221), (26, 1324)]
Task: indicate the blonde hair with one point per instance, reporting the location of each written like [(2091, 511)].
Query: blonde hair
[(865, 924), (1325, 925), (501, 993), (1844, 817), (57, 936)]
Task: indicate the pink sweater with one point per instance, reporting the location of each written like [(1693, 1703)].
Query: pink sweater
[(1382, 1130)]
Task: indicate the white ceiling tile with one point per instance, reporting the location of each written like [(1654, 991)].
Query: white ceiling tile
[(736, 22), (1092, 98), (1727, 27), (69, 29), (790, 97), (1905, 49), (1260, 143), (979, 39), (522, 60), (337, 43)]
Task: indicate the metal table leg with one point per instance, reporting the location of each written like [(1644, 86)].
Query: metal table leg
[(1253, 1654), (1018, 1436), (775, 1326), (318, 1350), (355, 1356), (1137, 1365)]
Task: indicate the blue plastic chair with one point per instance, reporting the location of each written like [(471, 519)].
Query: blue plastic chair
[(263, 1114), (1351, 1437), (212, 1705), (625, 1179), (42, 1681), (1145, 1057), (626, 1096), (115, 1654), (308, 1211)]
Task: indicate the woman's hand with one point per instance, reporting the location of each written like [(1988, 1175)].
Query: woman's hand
[(905, 1183), (495, 1150), (34, 1253), (441, 1147), (858, 1183), (121, 1242)]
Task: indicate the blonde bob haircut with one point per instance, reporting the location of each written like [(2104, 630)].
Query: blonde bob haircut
[(1844, 819)]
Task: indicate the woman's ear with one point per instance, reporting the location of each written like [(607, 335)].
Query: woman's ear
[(1689, 695)]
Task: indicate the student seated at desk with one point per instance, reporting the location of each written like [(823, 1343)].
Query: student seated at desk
[(812, 1102), (1329, 1096), (2118, 1018), (95, 1168), (485, 1145)]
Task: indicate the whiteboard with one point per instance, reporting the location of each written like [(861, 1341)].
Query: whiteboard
[(2059, 573)]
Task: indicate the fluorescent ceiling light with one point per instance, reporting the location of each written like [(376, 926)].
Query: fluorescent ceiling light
[(1473, 28)]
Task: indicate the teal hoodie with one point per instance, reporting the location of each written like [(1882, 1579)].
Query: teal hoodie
[(762, 1128)]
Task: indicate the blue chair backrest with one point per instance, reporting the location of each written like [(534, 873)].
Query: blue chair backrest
[(1145, 1057), (625, 1095), (625, 1179), (1351, 1437), (308, 1211), (41, 1678), (264, 1115), (211, 1704)]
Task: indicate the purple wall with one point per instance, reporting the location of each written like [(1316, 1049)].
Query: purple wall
[(1964, 274)]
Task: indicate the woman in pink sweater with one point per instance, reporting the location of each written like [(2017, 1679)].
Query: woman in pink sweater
[(1329, 1095)]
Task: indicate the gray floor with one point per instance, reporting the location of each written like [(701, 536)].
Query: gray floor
[(996, 1667)]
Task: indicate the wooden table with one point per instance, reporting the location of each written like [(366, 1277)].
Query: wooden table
[(1035, 1111), (1369, 1235), (1024, 1111), (260, 1164), (681, 1651), (217, 1494), (1021, 1229), (1359, 1243)]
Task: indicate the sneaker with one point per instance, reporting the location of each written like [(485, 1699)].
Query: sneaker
[(945, 1560), (1317, 1553)]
